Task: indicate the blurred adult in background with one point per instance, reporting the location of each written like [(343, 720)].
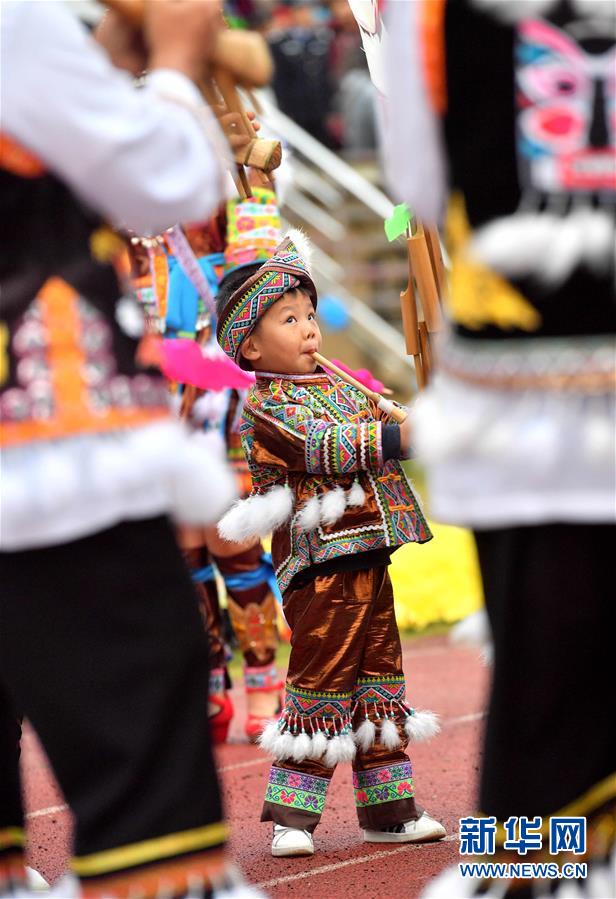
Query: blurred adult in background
[(302, 82), (501, 120), (101, 644), (355, 99)]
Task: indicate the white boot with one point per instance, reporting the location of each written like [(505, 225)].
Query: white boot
[(422, 830), (291, 841)]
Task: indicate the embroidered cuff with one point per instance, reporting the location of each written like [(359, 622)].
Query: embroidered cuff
[(386, 784), (295, 790), (343, 449)]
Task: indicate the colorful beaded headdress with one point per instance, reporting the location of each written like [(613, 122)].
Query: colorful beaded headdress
[(284, 271), (253, 229)]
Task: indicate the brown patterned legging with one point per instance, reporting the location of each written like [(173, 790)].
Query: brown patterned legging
[(252, 611)]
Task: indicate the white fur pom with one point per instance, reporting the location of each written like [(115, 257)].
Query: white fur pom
[(365, 735), (333, 504), (334, 752), (599, 437), (421, 726), (356, 496), (268, 736), (283, 746), (62, 483), (301, 747), (309, 516), (348, 748), (544, 244), (212, 441), (279, 507), (203, 486), (129, 316), (257, 516), (303, 244), (175, 404), (210, 406), (474, 630), (236, 525), (486, 654), (318, 745), (390, 738)]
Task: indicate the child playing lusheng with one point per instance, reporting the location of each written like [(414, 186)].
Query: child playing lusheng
[(328, 484)]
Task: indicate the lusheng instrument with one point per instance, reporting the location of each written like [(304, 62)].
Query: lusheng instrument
[(420, 302), (240, 58), (398, 414)]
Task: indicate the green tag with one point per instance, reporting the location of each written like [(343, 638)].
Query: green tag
[(398, 222)]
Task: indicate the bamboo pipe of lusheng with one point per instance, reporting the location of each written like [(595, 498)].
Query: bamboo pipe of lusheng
[(385, 405), (420, 302), (239, 58)]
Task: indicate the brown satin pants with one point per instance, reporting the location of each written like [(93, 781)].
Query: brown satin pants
[(344, 630)]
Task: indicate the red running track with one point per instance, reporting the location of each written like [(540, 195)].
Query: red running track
[(449, 680)]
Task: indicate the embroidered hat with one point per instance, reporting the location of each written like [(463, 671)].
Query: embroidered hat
[(284, 271), (253, 229)]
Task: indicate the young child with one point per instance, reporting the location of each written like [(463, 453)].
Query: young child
[(328, 484)]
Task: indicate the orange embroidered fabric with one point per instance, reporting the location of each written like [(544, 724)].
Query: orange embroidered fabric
[(73, 412), (16, 159), (432, 41)]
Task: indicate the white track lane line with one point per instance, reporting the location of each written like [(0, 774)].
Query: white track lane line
[(325, 869), (464, 719), (50, 810)]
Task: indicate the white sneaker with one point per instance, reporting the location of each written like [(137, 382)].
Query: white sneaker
[(422, 830), (291, 841)]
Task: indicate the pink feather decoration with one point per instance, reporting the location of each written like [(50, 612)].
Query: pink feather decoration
[(182, 360)]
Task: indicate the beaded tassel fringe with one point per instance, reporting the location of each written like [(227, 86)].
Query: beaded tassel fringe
[(298, 738), (418, 725)]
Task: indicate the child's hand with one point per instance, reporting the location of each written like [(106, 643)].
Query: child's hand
[(406, 437)]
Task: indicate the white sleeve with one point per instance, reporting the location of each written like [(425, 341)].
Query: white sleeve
[(145, 159), (411, 131)]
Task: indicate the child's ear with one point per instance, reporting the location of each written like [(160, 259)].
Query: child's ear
[(249, 350)]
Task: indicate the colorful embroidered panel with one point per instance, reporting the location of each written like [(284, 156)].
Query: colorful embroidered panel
[(217, 681), (285, 420), (310, 703), (62, 376), (12, 860), (261, 678), (320, 419), (339, 449), (295, 790), (253, 229), (386, 784), (376, 689)]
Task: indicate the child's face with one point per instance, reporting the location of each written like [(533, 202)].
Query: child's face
[(286, 337)]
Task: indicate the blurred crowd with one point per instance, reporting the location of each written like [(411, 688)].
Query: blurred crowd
[(321, 79)]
